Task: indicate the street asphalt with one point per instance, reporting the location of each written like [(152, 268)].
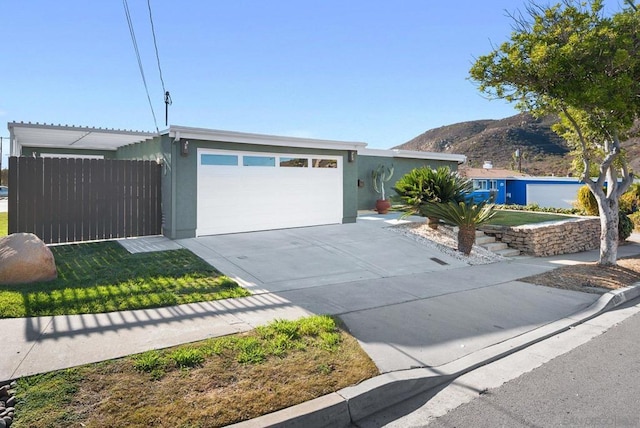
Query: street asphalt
[(438, 317)]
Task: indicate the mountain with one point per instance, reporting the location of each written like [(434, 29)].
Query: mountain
[(543, 152)]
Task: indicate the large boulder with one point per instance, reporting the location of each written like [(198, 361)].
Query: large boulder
[(25, 258)]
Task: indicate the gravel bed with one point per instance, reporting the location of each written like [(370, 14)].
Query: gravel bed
[(444, 239)]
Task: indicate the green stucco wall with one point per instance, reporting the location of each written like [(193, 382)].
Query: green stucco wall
[(159, 149), (179, 192), (367, 196)]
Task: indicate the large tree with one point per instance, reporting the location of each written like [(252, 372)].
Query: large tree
[(573, 60)]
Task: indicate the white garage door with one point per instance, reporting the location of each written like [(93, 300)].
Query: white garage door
[(246, 191), (553, 195)]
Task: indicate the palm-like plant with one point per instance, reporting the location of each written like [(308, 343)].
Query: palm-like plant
[(466, 215), (425, 185)]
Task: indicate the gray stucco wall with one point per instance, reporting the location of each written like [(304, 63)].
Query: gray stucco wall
[(367, 196), (180, 181)]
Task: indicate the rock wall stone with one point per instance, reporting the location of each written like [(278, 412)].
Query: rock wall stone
[(571, 236)]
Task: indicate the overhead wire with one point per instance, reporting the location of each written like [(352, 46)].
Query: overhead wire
[(155, 44), (167, 96), (137, 51)]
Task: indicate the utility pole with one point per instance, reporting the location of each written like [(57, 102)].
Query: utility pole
[(518, 155)]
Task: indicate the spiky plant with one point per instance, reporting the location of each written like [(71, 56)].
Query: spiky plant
[(381, 175), (466, 215), (425, 185)]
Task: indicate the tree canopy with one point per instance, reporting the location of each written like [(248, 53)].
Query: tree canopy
[(572, 60)]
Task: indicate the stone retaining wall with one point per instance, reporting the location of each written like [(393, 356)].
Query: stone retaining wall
[(548, 239)]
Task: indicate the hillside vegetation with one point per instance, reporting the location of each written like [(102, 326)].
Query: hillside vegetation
[(544, 152)]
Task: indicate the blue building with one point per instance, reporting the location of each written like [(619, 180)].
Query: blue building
[(504, 186), (490, 183), (556, 192)]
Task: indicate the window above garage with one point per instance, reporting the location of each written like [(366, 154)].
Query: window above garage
[(251, 159)]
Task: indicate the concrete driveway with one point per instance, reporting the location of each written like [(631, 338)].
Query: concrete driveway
[(408, 304), (282, 260)]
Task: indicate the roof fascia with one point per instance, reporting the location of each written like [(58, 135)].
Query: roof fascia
[(180, 132), (397, 153)]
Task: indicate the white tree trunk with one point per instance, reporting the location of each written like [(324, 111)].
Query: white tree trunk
[(608, 232)]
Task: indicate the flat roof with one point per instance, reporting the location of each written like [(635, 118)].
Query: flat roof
[(413, 154), (495, 173), (36, 134), (179, 132)]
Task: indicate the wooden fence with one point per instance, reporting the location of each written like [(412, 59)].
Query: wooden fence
[(70, 200)]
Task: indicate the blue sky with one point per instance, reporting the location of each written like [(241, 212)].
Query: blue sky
[(381, 72)]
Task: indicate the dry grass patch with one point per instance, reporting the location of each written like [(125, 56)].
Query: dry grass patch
[(206, 384), (590, 277)]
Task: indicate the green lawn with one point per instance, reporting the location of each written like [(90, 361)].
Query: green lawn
[(103, 277), (4, 224), (518, 218)]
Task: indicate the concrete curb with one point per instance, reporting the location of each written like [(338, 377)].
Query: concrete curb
[(351, 404)]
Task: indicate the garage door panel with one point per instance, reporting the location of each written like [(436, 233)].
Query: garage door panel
[(553, 195), (247, 198)]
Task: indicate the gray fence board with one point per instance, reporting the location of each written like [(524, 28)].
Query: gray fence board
[(71, 200)]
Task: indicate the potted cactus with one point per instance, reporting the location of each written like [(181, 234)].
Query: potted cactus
[(381, 175)]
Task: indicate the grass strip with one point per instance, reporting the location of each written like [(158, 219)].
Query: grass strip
[(519, 218), (103, 276), (210, 383)]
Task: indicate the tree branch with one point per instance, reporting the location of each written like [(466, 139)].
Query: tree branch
[(583, 145)]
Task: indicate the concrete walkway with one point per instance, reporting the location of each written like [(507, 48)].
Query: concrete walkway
[(408, 305)]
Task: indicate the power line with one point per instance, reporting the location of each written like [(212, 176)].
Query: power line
[(167, 96), (135, 47)]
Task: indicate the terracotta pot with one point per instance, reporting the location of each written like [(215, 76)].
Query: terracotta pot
[(382, 206)]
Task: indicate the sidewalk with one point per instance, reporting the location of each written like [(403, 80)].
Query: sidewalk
[(418, 326)]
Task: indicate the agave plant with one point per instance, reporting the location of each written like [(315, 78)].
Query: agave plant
[(425, 185), (466, 215)]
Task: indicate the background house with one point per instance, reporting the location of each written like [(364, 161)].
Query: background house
[(490, 183), (512, 187)]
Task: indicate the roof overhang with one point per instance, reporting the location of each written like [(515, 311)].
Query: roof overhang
[(411, 154), (183, 132), (70, 137)]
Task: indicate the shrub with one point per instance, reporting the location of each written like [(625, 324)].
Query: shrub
[(625, 226), (587, 202), (423, 185), (630, 200), (635, 219), (536, 207), (628, 203)]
